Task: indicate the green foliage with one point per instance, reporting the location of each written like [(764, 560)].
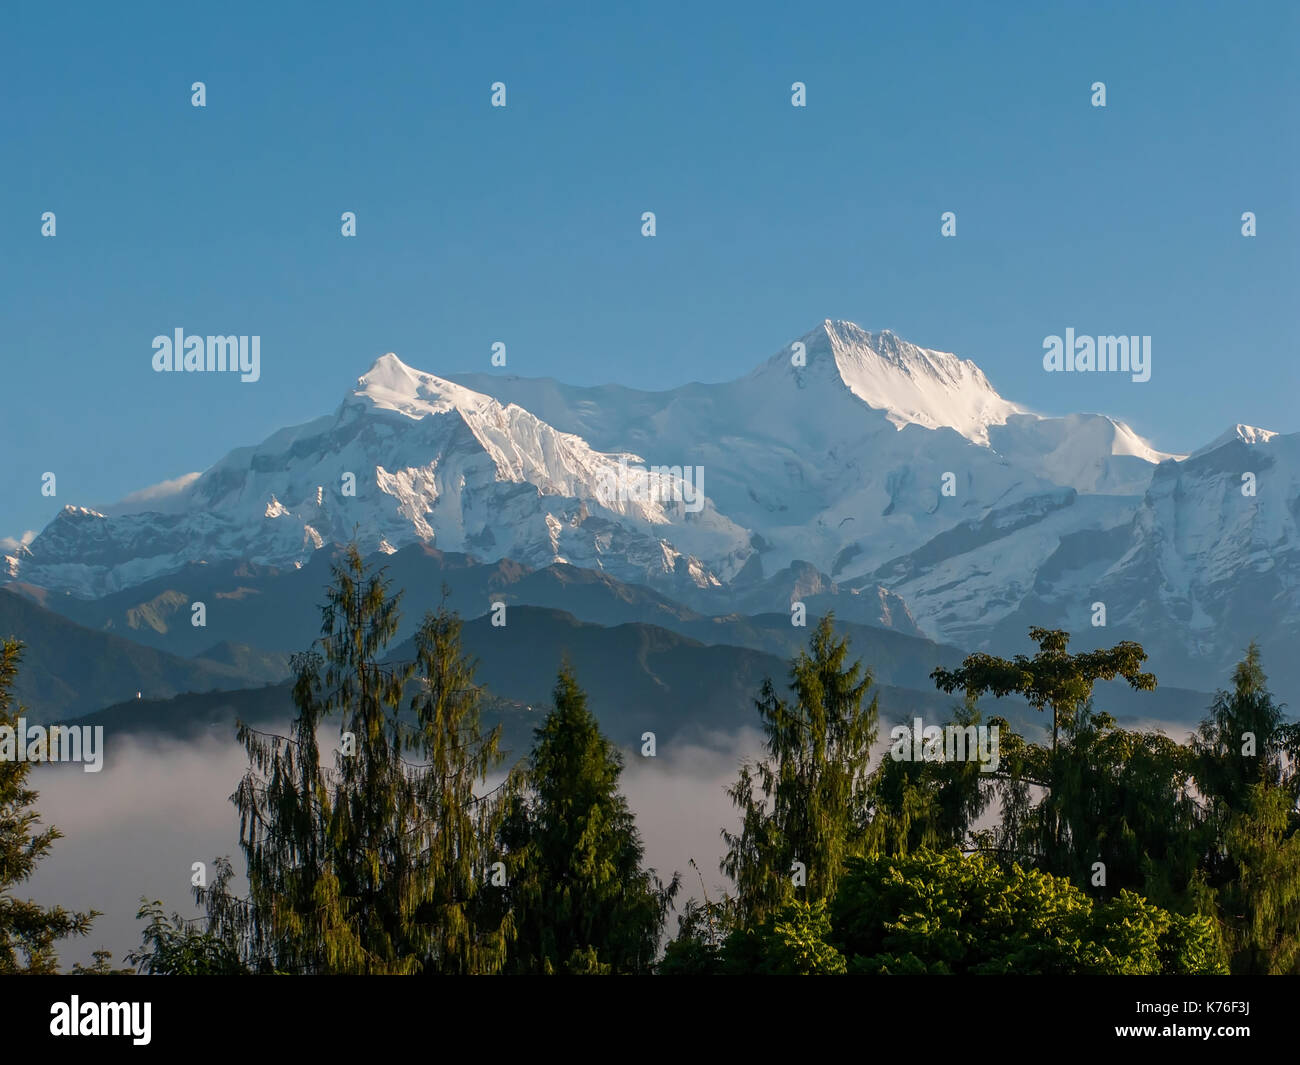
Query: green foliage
[(807, 800), (1110, 809), (1260, 907), (928, 804), (1246, 769), (1101, 861), (1122, 798), (28, 931), (1117, 851), (1053, 677), (468, 929), (373, 866), (1209, 827), (938, 912), (174, 946), (702, 930), (101, 966), (795, 942), (1105, 795), (1244, 741), (581, 901)]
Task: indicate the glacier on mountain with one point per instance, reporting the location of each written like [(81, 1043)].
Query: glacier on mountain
[(888, 468)]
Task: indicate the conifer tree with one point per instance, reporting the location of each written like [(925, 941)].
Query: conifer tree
[(1259, 908), (1246, 770), (28, 931), (331, 863), (469, 930), (369, 866), (581, 900), (1245, 740), (806, 801)]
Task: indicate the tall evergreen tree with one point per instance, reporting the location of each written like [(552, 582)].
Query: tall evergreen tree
[(1259, 908), (1245, 740), (469, 929), (28, 931), (806, 800), (369, 867), (1246, 757), (331, 859), (582, 902)]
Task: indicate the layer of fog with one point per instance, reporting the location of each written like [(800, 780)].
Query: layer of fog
[(137, 827)]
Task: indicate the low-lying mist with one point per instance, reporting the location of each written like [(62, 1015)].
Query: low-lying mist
[(158, 806)]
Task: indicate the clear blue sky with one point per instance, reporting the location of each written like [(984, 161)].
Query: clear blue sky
[(523, 225)]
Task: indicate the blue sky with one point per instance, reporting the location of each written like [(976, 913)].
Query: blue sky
[(522, 224)]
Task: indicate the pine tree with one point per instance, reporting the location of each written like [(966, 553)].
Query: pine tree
[(469, 928), (1245, 740), (582, 902), (370, 866), (807, 800), (1259, 908), (1246, 771), (28, 931)]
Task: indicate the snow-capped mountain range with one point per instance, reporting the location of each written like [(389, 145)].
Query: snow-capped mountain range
[(892, 469)]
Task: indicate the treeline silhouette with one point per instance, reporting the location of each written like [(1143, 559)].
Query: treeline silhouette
[(1107, 850)]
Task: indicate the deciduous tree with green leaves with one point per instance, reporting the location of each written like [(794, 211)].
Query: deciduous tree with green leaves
[(210, 946), (941, 912), (1110, 809), (1052, 677), (932, 804)]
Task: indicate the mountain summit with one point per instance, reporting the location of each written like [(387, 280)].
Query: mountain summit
[(407, 457), (849, 457), (910, 384), (390, 384)]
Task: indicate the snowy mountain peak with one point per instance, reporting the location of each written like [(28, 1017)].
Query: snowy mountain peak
[(826, 464), (911, 384), (75, 513), (1247, 434), (389, 368), (407, 457), (390, 384)]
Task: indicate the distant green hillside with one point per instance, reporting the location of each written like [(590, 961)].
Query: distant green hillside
[(69, 670)]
